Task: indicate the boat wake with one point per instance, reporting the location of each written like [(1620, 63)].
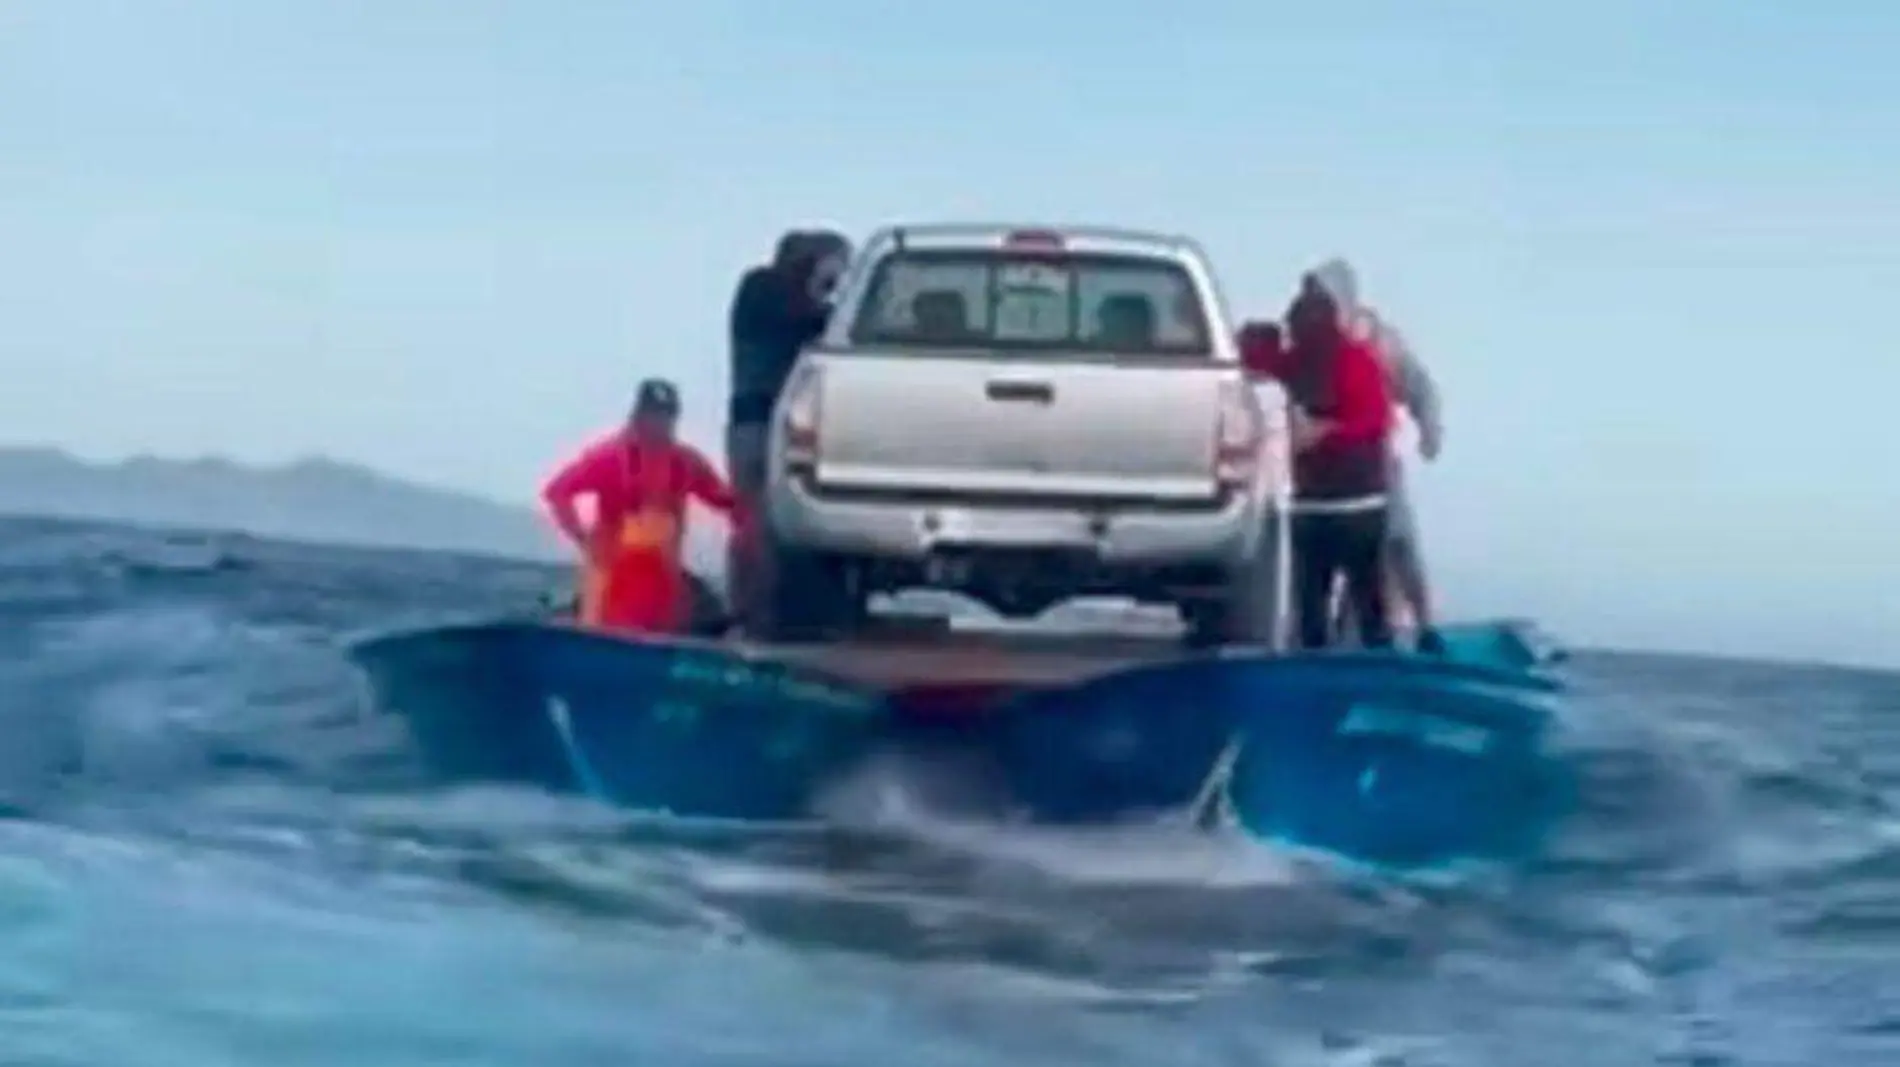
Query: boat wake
[(942, 804)]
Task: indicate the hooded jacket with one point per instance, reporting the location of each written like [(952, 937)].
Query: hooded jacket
[(1333, 377), (1411, 384), (774, 315)]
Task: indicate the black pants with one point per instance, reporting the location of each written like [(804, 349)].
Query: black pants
[(746, 563), (1331, 545)]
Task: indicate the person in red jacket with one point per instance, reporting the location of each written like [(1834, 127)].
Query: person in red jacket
[(1342, 429), (641, 478)]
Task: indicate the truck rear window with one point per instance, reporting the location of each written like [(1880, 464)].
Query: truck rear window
[(1006, 300)]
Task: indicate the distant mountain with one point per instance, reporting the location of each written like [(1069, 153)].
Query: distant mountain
[(310, 500)]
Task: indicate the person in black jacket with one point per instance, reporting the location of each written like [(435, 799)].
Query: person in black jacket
[(778, 309), (773, 316)]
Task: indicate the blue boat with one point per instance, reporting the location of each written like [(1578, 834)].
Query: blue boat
[(1392, 759), (1384, 757), (688, 727)]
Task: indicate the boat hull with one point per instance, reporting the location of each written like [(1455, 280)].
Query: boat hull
[(680, 727), (1388, 758)]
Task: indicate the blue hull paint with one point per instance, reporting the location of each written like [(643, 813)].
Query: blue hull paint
[(1382, 757), (1404, 769), (685, 728)]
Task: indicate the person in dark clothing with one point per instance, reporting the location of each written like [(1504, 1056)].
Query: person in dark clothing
[(778, 309), (1342, 427), (774, 314)]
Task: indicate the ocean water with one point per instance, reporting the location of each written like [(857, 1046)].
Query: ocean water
[(211, 855)]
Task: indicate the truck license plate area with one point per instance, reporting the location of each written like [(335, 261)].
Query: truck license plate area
[(955, 526), (989, 568)]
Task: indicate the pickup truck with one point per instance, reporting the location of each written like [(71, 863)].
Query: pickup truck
[(1026, 415)]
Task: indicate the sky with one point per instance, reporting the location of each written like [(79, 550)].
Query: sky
[(1649, 250)]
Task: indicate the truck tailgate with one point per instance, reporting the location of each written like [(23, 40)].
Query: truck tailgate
[(1016, 427)]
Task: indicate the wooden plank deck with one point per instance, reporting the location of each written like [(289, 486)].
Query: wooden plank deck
[(905, 652), (962, 660)]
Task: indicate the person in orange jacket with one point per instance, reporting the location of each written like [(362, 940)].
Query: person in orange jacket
[(641, 479)]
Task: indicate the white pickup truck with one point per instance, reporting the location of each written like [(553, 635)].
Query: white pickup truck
[(1024, 416)]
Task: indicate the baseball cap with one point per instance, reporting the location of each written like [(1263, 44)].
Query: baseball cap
[(657, 396)]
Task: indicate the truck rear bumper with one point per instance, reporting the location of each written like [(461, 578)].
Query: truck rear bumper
[(1116, 535)]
